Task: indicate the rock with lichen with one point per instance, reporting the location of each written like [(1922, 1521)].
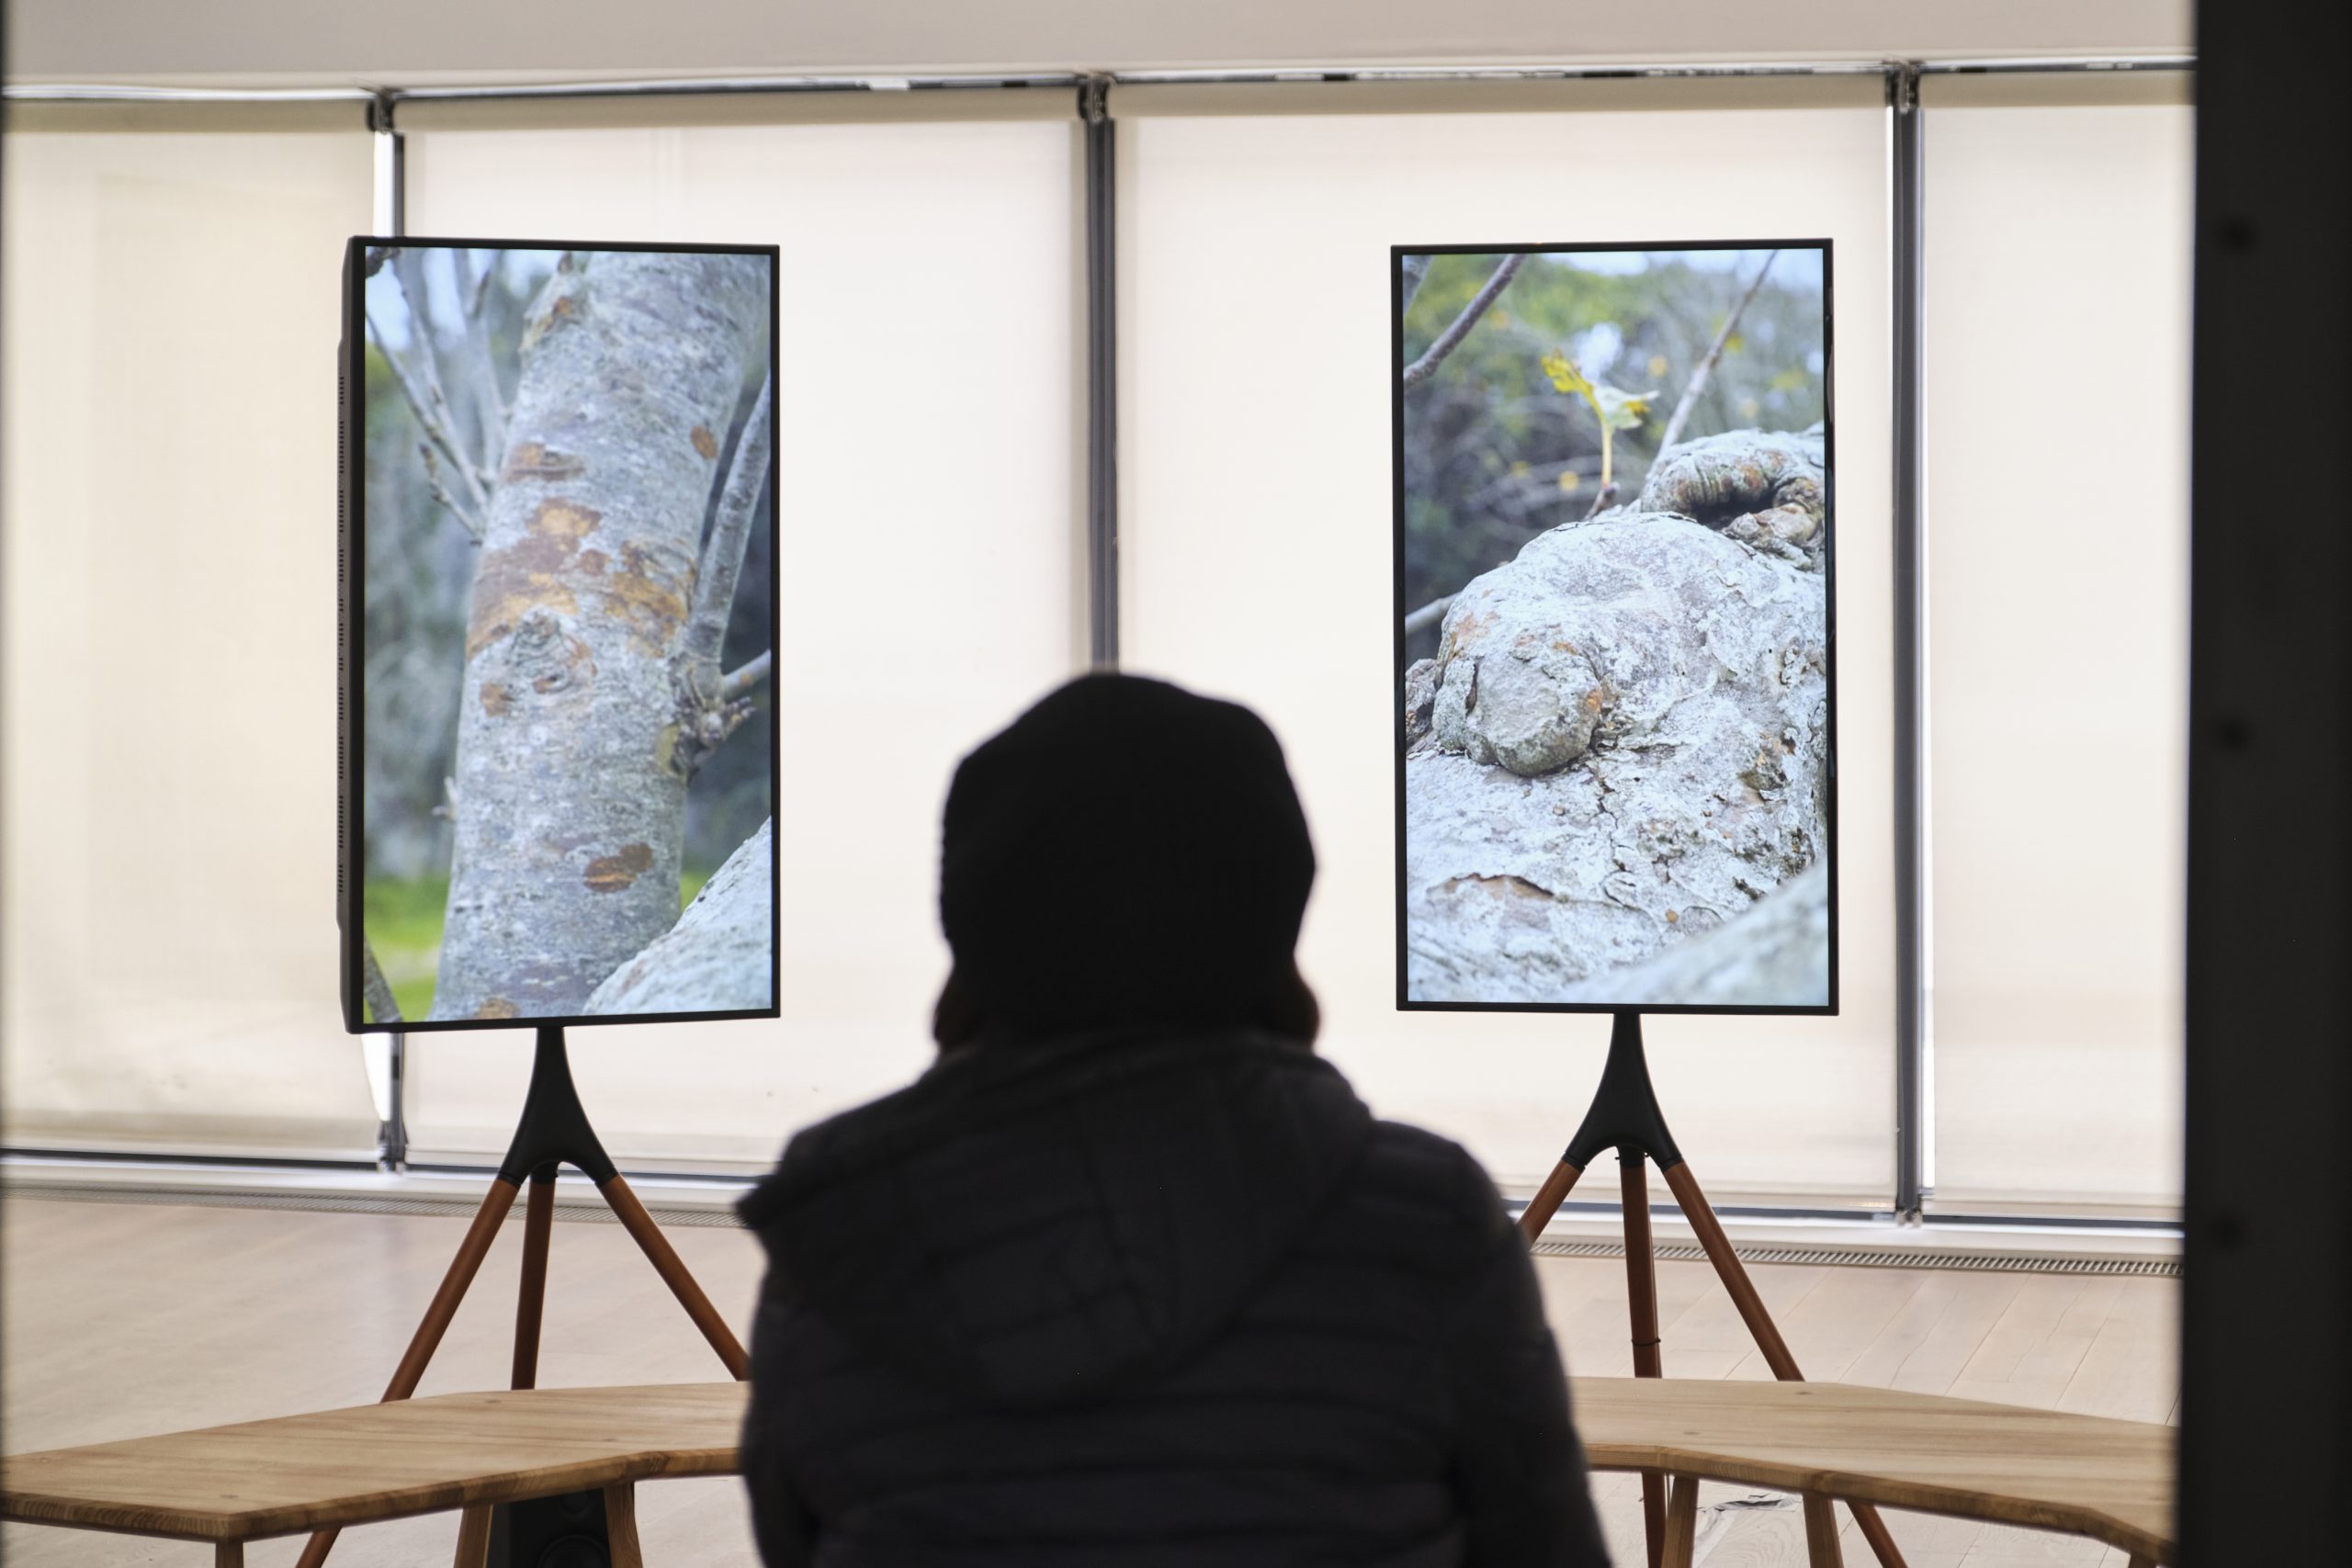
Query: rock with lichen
[(1627, 741)]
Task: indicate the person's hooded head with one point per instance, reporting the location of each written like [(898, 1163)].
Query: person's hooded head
[(1124, 852)]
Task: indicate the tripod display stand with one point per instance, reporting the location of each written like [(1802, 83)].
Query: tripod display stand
[(1626, 1116), (554, 1132)]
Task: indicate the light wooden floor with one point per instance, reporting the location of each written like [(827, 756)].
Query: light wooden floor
[(126, 1319)]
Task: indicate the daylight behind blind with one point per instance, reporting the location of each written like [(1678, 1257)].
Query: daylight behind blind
[(2058, 311), (927, 476), (1255, 548), (169, 592)]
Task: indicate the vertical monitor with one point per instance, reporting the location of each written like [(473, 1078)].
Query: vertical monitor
[(1615, 672), (559, 625)]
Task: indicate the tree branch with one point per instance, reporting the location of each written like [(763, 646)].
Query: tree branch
[(738, 683), (1415, 268), (722, 556), (1427, 615), (490, 404), (375, 988), (1706, 367), (408, 271), (1421, 369), (436, 430), (440, 490)]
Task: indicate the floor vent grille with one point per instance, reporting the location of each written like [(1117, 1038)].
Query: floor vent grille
[(1888, 1258)]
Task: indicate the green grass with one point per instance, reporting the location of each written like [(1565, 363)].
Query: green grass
[(403, 922)]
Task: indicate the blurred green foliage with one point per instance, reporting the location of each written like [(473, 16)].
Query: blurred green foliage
[(1496, 452), (404, 919), (404, 925)]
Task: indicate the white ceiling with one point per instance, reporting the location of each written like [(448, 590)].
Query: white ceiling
[(425, 42)]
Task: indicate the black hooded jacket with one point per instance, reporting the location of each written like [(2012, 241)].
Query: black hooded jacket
[(1149, 1297)]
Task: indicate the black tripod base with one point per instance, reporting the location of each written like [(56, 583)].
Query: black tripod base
[(1624, 1116)]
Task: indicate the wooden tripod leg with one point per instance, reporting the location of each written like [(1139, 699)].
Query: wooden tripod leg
[(672, 1269), (1547, 1199), (1682, 1523), (473, 1538), (1821, 1549), (427, 1339), (1741, 1291), (620, 1525), (530, 1301), (1641, 1301)]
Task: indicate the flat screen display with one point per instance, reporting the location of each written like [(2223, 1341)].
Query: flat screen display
[(1614, 611), (558, 574)]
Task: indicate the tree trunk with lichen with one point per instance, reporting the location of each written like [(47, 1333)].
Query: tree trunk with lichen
[(571, 791)]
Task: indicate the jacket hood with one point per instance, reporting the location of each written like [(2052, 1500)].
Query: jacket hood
[(1032, 1222)]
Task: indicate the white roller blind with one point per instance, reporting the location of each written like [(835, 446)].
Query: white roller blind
[(927, 476), (2057, 317), (168, 539), (1255, 550)]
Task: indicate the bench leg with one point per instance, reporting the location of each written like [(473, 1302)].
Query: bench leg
[(620, 1525), (473, 1538), (228, 1554), (1682, 1522), (1821, 1533)]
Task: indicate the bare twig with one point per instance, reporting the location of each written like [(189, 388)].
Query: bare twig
[(1427, 615), (722, 556), (1706, 367), (1601, 498), (1421, 369), (1415, 268), (375, 988), (490, 404), (481, 284), (738, 683), (425, 345), (436, 429), (440, 490)]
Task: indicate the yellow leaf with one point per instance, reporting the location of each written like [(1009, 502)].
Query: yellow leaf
[(1566, 377), (1569, 481), (1657, 363)]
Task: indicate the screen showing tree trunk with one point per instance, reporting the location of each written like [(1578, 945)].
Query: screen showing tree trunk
[(558, 739), (1616, 781)]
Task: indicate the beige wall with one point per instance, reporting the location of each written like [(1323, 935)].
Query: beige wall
[(262, 42)]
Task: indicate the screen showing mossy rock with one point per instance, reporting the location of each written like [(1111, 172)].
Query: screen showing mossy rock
[(1615, 601), (558, 600)]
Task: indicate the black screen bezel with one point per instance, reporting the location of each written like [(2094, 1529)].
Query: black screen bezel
[(351, 679), (1397, 254)]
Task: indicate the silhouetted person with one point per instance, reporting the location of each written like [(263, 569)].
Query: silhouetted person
[(1130, 1276)]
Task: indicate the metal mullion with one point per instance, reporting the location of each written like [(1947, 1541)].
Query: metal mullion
[(391, 210), (1906, 166), (1101, 374)]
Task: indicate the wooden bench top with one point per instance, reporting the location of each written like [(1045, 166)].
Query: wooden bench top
[(2109, 1479), (378, 1461)]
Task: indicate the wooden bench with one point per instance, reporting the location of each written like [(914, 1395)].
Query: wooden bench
[(228, 1485), (2112, 1480), (2108, 1480)]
